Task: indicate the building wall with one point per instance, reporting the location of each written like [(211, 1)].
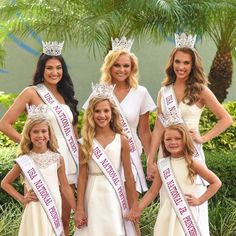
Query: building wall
[(84, 68)]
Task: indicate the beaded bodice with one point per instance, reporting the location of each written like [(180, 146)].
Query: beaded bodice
[(45, 159)]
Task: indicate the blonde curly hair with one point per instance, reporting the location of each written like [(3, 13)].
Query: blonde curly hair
[(188, 150), (197, 77), (26, 145), (88, 129), (110, 60)]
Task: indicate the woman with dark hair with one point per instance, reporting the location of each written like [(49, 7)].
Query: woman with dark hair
[(52, 87)]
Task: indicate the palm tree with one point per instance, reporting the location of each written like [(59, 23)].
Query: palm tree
[(222, 30), (91, 22)]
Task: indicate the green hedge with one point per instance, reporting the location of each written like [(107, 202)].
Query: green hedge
[(7, 157)]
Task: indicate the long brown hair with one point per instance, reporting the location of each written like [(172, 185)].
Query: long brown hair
[(197, 77)]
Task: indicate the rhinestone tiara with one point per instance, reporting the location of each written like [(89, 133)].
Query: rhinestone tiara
[(170, 119), (102, 91), (122, 44), (52, 48), (183, 40), (37, 112)]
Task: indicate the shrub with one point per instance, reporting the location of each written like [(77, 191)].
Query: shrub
[(6, 162), (224, 166), (10, 217)]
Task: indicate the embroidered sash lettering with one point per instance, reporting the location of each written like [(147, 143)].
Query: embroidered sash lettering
[(177, 199), (37, 183), (62, 119)]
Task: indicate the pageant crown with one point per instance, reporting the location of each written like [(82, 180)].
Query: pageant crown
[(170, 119), (121, 44), (52, 48), (37, 112), (183, 40), (102, 91)]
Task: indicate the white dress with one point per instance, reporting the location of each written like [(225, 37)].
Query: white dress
[(167, 223), (34, 219), (101, 202), (70, 166), (191, 115), (136, 103)]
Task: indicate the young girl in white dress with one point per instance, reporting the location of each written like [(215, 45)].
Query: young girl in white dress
[(39, 144), (98, 205), (177, 145)]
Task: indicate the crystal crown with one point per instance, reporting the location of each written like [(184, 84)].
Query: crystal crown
[(103, 91), (121, 44), (52, 48), (170, 119), (184, 40), (37, 112)]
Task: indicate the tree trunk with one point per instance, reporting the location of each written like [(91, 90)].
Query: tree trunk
[(220, 75)]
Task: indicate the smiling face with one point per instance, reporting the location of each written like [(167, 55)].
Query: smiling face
[(121, 69), (102, 114), (182, 65), (173, 141), (52, 72), (39, 136)]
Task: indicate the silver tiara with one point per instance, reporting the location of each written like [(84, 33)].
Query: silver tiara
[(37, 112), (170, 119), (52, 48), (122, 44), (183, 40), (102, 91)]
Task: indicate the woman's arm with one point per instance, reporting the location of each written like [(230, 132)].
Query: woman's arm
[(64, 185), (144, 131), (12, 114), (80, 216), (215, 183), (151, 194), (6, 184), (224, 119), (155, 142), (129, 178)]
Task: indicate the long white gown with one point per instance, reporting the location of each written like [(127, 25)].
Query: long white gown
[(191, 115), (167, 223), (34, 219), (101, 202)]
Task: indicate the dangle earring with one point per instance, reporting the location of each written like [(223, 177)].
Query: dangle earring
[(42, 80)]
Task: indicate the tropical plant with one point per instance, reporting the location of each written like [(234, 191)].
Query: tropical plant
[(222, 30), (91, 22)]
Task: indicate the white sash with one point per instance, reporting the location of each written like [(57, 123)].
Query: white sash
[(32, 174), (135, 158), (62, 119), (104, 163), (177, 198), (172, 109)]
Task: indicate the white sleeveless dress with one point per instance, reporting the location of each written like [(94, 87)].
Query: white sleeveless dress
[(70, 166), (191, 115), (101, 203), (167, 223), (34, 219), (136, 103)]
